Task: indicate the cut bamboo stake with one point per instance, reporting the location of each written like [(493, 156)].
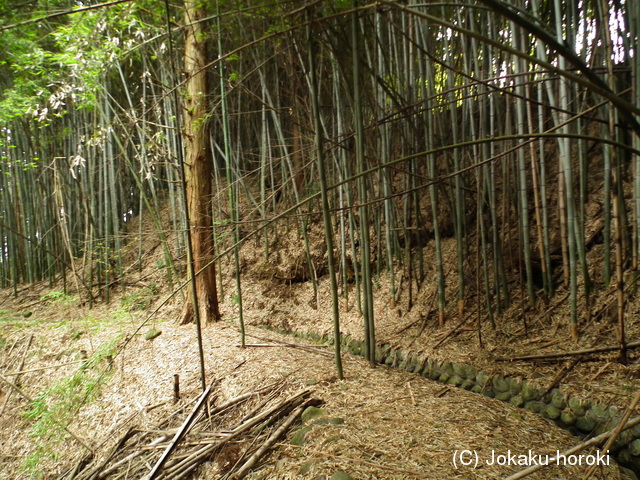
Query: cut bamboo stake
[(179, 434)]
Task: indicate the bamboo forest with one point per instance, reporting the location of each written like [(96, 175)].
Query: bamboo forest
[(319, 239)]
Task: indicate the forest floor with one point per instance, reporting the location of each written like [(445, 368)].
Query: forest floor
[(94, 372), (396, 425)]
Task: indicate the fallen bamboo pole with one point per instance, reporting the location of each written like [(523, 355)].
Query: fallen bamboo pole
[(544, 356), (251, 462), (589, 443), (179, 434)]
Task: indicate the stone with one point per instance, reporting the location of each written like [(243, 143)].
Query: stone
[(329, 421), (515, 385), (634, 448), (585, 424), (558, 400), (503, 396), (390, 358), (401, 359), (448, 367), (517, 401), (599, 413), (412, 366), (312, 412), (500, 384), (551, 412), (567, 418), (529, 392), (488, 391), (306, 468), (332, 439), (339, 475), (482, 378), (468, 384), (470, 372), (435, 372), (534, 406), (299, 436), (459, 370), (151, 334), (426, 370), (577, 406)]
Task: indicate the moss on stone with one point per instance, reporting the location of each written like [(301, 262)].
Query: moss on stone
[(528, 392), (551, 412), (577, 406), (567, 418), (503, 396), (500, 384), (534, 406)]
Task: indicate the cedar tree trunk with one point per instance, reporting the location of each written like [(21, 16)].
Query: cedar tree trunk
[(198, 166)]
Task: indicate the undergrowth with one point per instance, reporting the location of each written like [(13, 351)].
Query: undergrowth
[(55, 408), (58, 296), (140, 300)]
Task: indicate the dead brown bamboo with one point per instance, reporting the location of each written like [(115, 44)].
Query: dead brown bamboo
[(179, 434), (253, 460), (188, 464), (591, 442), (544, 356), (616, 432), (20, 372)]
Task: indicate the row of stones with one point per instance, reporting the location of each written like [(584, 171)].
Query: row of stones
[(571, 413)]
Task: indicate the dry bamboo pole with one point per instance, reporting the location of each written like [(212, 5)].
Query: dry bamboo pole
[(633, 11), (179, 434), (386, 175), (184, 466), (269, 443)]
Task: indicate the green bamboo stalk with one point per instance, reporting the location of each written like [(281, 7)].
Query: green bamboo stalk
[(326, 214), (365, 259)]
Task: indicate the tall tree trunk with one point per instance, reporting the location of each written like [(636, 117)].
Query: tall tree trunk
[(198, 167)]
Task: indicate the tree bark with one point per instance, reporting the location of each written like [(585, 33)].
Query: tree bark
[(198, 167)]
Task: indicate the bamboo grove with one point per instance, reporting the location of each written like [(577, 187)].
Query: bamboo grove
[(488, 150)]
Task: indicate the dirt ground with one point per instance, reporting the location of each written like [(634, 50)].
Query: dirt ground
[(394, 425)]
